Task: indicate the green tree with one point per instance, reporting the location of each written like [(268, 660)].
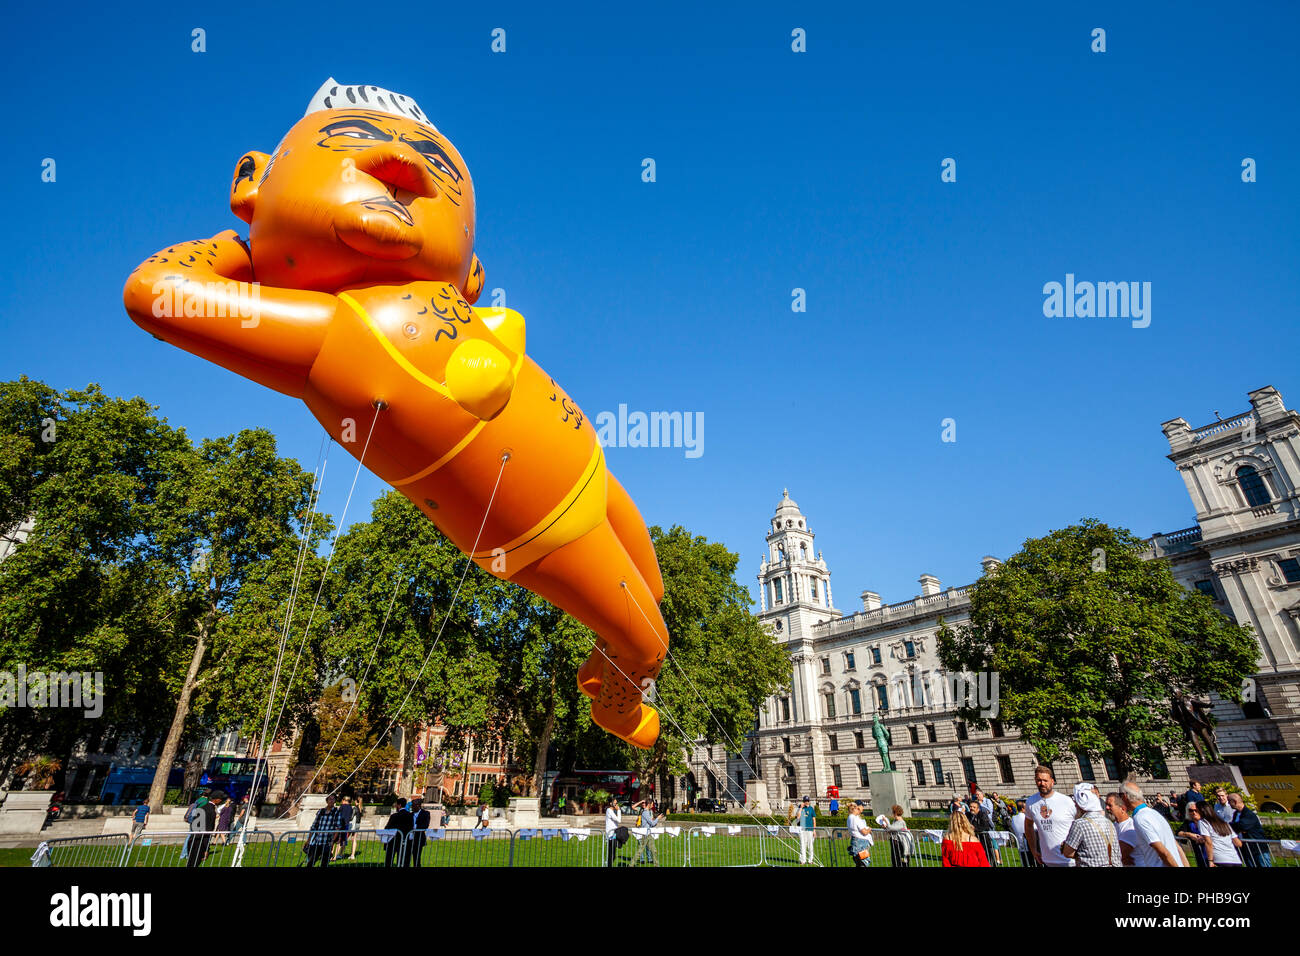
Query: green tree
[(82, 593), (222, 515), (722, 663), (538, 650), (347, 736), (424, 660), (1089, 642)]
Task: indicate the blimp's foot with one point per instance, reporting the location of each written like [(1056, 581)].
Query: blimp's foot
[(590, 674), (639, 727)]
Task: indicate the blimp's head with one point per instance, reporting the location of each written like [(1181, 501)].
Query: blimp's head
[(362, 190)]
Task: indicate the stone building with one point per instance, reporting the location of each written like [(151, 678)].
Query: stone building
[(1242, 474)]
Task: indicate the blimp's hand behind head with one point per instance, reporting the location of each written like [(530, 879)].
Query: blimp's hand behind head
[(362, 190)]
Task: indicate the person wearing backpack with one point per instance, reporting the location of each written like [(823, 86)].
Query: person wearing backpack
[(647, 820), (203, 821)]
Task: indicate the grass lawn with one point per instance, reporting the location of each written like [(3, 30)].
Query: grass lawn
[(719, 850)]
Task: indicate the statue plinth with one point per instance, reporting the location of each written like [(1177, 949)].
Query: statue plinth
[(889, 788), (1216, 773)]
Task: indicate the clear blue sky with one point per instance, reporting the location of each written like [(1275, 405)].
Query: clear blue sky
[(775, 170)]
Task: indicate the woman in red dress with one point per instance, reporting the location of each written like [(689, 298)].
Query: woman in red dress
[(960, 845)]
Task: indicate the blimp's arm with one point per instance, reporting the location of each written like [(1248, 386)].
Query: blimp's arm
[(200, 296)]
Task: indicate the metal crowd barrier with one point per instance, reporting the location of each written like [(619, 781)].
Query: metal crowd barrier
[(198, 848), (916, 848), (725, 845), (1253, 853), (82, 851), (366, 848), (481, 846), (785, 845), (572, 846), (721, 845)]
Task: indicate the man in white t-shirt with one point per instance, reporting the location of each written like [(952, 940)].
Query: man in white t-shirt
[(1124, 827), (1154, 843), (1048, 815), (1018, 826)]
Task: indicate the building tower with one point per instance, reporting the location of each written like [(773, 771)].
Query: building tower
[(795, 597), (794, 582)]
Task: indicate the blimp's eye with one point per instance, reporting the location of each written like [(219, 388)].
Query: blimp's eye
[(355, 129)]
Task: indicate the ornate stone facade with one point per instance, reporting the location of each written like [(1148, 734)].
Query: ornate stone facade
[(1242, 474)]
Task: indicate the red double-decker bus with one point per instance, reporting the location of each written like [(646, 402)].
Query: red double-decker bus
[(623, 784)]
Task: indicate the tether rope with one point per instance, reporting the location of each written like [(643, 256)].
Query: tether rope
[(708, 759), (427, 657), (318, 482)]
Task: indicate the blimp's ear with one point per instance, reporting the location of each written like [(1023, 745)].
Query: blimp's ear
[(474, 284), (243, 190)]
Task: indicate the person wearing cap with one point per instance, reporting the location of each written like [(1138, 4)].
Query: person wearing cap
[(807, 821), (1092, 840), (202, 824)]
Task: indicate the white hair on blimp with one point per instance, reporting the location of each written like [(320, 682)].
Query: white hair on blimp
[(335, 96)]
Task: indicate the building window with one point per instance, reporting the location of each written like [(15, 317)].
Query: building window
[(830, 704), (1252, 486), (930, 734), (857, 739), (785, 708), (855, 701), (882, 697), (1004, 769), (1290, 568), (1086, 773), (997, 728), (937, 766), (826, 665), (920, 772), (813, 583), (863, 777), (909, 649), (1207, 588), (785, 744), (835, 741), (848, 660), (776, 587), (916, 737), (875, 655), (835, 775), (968, 768), (1112, 772), (961, 730)]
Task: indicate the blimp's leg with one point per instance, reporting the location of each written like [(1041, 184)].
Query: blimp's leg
[(630, 527), (595, 579)]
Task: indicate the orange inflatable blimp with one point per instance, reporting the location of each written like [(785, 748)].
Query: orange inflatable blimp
[(354, 292)]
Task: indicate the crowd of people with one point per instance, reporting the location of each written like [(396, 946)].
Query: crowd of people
[(211, 817), (1085, 828), (336, 829), (1051, 828)]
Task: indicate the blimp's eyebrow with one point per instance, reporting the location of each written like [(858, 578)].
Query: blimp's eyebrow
[(430, 147), (356, 122)]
